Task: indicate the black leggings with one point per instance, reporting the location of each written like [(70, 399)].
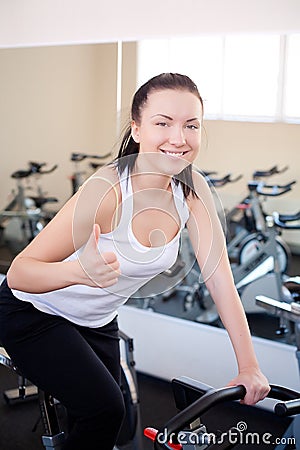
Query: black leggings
[(79, 366)]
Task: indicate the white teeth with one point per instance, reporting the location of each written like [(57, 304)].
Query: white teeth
[(174, 153)]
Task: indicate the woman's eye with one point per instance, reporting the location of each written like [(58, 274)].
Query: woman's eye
[(162, 124), (193, 127)]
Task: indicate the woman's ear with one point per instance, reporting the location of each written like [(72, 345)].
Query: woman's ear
[(135, 132)]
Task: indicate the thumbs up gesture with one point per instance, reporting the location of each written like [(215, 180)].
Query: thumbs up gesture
[(99, 270)]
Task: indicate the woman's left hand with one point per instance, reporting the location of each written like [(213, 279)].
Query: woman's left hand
[(255, 382)]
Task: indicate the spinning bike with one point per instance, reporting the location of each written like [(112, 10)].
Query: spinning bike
[(25, 215), (261, 272), (287, 311), (244, 243), (248, 216), (235, 426)]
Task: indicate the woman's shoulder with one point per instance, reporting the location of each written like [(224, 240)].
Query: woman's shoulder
[(202, 192), (200, 184), (199, 179), (106, 174), (102, 184)]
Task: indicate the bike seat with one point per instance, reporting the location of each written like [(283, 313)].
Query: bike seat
[(21, 174)]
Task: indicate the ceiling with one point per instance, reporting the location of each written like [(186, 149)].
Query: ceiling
[(59, 22)]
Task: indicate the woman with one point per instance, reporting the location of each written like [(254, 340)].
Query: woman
[(59, 303)]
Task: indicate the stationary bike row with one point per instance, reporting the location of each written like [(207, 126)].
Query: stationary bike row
[(53, 415), (240, 218), (261, 272), (237, 424), (250, 231), (248, 218), (25, 214)]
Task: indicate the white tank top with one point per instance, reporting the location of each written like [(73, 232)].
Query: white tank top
[(95, 307)]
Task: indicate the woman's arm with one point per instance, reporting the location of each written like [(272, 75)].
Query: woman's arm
[(209, 244), (40, 267)]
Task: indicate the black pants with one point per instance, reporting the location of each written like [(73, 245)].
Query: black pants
[(79, 366)]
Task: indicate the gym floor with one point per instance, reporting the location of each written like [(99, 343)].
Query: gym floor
[(18, 421)]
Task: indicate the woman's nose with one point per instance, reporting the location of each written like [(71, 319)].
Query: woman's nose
[(177, 136)]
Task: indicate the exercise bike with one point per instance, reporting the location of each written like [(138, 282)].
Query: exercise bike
[(248, 216), (241, 247), (25, 215), (197, 427), (287, 311)]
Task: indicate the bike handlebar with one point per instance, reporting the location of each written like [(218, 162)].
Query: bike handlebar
[(291, 401), (281, 220), (289, 405), (219, 182), (197, 408), (267, 173), (34, 168), (77, 157), (270, 190)]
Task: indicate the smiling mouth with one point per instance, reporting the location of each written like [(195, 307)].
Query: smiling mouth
[(174, 154)]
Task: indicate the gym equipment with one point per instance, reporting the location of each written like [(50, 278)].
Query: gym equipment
[(25, 215), (243, 424), (248, 215), (261, 272), (52, 412), (288, 312), (242, 244)]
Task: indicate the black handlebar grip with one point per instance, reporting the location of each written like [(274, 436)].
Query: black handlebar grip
[(282, 393), (201, 405), (288, 408)]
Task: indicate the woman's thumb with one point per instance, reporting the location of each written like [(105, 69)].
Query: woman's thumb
[(96, 232)]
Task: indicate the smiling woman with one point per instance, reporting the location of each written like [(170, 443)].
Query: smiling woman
[(119, 231)]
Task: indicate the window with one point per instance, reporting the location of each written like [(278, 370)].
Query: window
[(251, 76), (291, 108), (240, 77)]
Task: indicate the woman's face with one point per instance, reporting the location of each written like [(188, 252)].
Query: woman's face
[(170, 129)]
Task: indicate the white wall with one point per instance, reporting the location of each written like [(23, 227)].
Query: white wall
[(54, 101), (50, 22), (168, 347)]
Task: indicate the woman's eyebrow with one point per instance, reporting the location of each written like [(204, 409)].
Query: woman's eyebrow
[(192, 120), (162, 115), (170, 118)]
